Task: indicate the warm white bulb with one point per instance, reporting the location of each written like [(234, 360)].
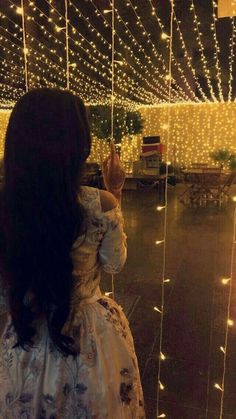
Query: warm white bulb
[(157, 309), (159, 241), (164, 35), (19, 10), (225, 281)]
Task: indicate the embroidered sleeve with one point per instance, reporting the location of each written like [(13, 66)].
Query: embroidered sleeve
[(113, 248)]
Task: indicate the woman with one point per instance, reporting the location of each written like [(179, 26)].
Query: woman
[(66, 350)]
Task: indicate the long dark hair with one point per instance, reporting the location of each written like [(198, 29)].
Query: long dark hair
[(47, 142)]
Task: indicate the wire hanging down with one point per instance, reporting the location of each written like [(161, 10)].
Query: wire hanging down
[(162, 357), (25, 50)]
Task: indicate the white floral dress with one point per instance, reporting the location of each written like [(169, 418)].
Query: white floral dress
[(103, 381)]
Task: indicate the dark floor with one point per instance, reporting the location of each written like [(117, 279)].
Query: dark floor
[(199, 244)]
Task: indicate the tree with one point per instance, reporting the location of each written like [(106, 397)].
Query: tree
[(125, 122)]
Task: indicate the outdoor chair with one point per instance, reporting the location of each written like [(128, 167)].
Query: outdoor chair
[(211, 190), (227, 180)]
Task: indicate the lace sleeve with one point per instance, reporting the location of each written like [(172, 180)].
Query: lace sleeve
[(113, 248)]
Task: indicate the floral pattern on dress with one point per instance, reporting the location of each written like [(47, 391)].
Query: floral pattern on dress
[(44, 384)]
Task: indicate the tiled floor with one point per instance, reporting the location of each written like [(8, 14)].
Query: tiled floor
[(198, 254)]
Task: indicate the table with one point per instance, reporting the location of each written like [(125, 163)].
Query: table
[(203, 185), (133, 182)]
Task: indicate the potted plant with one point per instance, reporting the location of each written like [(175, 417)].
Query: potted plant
[(221, 156)]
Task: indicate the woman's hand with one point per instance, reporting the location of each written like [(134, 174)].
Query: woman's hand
[(113, 172)]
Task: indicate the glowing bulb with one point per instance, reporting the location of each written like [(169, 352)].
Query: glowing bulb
[(157, 309), (225, 281), (218, 387), (159, 241), (222, 349), (26, 50), (162, 415), (19, 10), (161, 386), (164, 35), (108, 293), (234, 198), (166, 281), (59, 29), (106, 11), (160, 208), (162, 356), (165, 126), (230, 322)]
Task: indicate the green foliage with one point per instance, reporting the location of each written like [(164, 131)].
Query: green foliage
[(125, 122), (134, 122), (224, 158), (232, 162), (221, 155)]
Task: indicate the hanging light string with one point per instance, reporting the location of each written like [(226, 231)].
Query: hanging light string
[(89, 65), (122, 61), (129, 82), (25, 50), (162, 357), (212, 309), (190, 94), (229, 321), (231, 59), (147, 58), (189, 59), (67, 47), (217, 51), (112, 96), (203, 58), (140, 63), (164, 36)]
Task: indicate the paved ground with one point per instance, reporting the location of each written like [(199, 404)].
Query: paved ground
[(198, 255)]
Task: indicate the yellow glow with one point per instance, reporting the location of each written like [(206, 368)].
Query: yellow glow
[(164, 35), (157, 309), (225, 281), (230, 322), (218, 387), (19, 10), (161, 386), (162, 356)]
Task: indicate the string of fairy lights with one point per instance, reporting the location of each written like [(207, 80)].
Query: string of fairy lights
[(163, 243), (50, 48)]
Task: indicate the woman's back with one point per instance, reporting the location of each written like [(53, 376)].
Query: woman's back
[(103, 380)]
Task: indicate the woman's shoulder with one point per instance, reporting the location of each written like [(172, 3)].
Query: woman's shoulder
[(97, 200)]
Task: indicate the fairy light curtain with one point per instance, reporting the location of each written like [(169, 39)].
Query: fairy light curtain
[(68, 44), (76, 52), (226, 8)]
